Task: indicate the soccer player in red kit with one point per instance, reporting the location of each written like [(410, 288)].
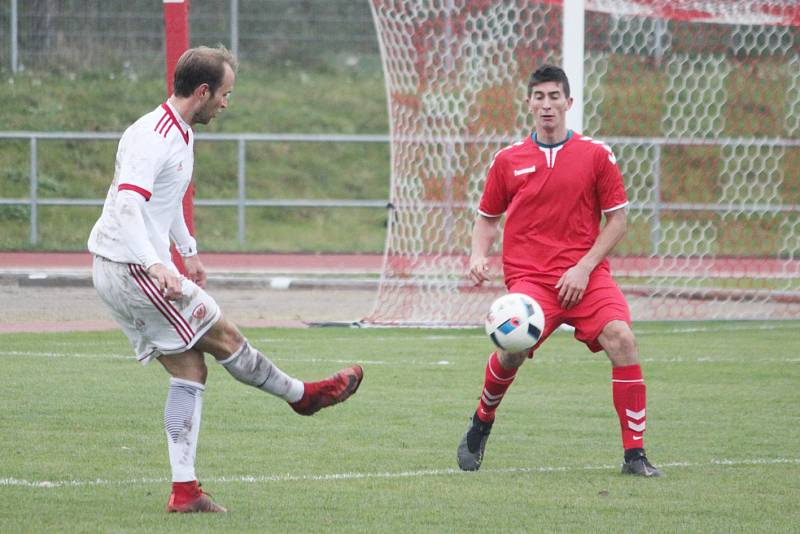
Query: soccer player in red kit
[(554, 187)]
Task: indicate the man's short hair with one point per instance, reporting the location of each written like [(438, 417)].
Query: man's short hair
[(549, 73), (202, 65)]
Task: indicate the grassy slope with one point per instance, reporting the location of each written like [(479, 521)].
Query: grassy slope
[(335, 98), (551, 463), (329, 99)]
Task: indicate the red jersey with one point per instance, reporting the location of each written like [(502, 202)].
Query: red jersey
[(553, 197)]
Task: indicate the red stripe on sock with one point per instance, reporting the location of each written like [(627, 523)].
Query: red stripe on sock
[(629, 372), (630, 402), (497, 380)]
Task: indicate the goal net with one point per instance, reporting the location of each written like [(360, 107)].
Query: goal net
[(699, 99)]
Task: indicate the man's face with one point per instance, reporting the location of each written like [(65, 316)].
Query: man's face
[(217, 100), (549, 106)]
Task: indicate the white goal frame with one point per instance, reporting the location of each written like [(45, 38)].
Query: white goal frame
[(436, 57)]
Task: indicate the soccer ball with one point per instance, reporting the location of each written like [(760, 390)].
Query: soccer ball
[(515, 322)]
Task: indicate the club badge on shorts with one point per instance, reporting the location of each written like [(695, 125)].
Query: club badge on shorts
[(199, 312)]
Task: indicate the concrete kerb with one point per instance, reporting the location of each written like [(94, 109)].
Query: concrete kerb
[(241, 280)]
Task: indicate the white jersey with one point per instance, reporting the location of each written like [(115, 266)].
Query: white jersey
[(155, 159)]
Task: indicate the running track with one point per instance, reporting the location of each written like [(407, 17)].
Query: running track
[(372, 263), (328, 263)]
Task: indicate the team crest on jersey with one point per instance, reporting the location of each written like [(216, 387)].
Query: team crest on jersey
[(180, 166), (199, 312)]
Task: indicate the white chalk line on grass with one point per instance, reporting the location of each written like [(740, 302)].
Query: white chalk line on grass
[(546, 360), (427, 363), (439, 337), (737, 327), (716, 328), (298, 340), (84, 355), (90, 356), (255, 479), (791, 325)]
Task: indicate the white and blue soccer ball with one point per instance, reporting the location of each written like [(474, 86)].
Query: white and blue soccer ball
[(515, 322)]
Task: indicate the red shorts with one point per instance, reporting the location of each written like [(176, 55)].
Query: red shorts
[(602, 303)]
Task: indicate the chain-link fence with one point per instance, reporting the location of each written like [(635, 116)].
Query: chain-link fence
[(41, 34)]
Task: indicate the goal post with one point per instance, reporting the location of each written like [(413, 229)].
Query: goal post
[(176, 42), (699, 100), (572, 45)]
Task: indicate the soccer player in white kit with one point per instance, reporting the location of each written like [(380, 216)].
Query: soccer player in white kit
[(167, 316)]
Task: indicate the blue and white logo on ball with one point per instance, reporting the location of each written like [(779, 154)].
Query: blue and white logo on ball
[(515, 322)]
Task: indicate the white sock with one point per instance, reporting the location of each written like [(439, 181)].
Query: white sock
[(182, 423), (249, 366)]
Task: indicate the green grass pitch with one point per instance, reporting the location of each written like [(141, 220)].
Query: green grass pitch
[(82, 446)]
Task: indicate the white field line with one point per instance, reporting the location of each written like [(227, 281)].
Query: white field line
[(739, 327), (429, 363), (426, 363), (791, 325), (255, 479), (83, 355), (445, 337), (548, 360), (644, 331)]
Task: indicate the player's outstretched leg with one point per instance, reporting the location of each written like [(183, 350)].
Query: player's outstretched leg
[(636, 463), (306, 398), (333, 390), (187, 497), (470, 450)]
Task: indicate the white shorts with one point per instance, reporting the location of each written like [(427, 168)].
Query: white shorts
[(153, 324)]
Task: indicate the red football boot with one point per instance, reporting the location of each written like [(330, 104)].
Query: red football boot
[(332, 390), (187, 497)]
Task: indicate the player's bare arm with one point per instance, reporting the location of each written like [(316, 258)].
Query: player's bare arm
[(573, 282), (195, 271), (186, 246), (483, 235), (168, 282)]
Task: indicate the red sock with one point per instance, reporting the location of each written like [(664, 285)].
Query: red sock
[(184, 492), (630, 400), (497, 381)]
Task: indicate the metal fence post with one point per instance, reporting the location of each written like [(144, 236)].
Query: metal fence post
[(655, 229), (34, 194), (14, 39), (240, 174), (235, 28)]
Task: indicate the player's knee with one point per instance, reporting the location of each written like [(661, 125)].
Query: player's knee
[(195, 373), (189, 365), (222, 340), (512, 360), (618, 341), (233, 337), (202, 373)]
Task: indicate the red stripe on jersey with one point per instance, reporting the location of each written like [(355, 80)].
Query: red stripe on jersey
[(175, 122), (130, 187), (164, 119), (165, 126), (153, 294)]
